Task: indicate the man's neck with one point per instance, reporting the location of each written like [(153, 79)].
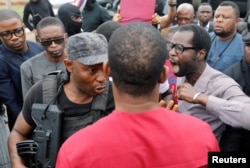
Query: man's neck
[(228, 37), (128, 103), (196, 75), (203, 24), (76, 96), (55, 59)]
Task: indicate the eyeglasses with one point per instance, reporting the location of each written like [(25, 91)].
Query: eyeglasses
[(47, 43), (18, 32), (179, 48)]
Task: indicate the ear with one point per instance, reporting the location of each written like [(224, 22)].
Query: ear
[(194, 16), (73, 18), (238, 20), (66, 36), (106, 68), (164, 74), (68, 64), (201, 54), (38, 39)]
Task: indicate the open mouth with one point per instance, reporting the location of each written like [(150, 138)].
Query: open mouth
[(175, 65), (100, 89)]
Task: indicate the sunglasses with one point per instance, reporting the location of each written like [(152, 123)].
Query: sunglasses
[(47, 43)]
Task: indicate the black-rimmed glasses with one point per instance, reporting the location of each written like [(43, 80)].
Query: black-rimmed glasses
[(18, 32), (47, 43), (179, 48)]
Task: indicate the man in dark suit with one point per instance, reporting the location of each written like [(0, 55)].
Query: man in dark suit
[(204, 15)]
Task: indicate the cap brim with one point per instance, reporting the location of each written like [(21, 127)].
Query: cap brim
[(93, 59)]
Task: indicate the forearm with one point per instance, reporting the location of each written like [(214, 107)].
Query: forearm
[(233, 113), (20, 132), (16, 160), (169, 18)]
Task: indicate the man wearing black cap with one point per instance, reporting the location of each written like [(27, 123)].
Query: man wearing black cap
[(84, 97)]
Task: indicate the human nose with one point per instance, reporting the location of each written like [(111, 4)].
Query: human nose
[(53, 43), (172, 52), (101, 76)]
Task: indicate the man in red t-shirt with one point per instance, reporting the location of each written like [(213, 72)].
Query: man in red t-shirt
[(139, 133)]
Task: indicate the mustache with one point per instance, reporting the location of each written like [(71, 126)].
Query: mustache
[(172, 59)]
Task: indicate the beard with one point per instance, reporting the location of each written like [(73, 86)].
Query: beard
[(223, 34)]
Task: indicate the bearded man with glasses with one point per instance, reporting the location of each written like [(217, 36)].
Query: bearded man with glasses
[(13, 52), (203, 91), (52, 36)]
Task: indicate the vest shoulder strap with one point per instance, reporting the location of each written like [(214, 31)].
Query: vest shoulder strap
[(50, 85)]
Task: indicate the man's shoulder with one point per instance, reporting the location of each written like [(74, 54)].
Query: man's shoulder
[(219, 80), (214, 75), (212, 36), (186, 121), (42, 89), (238, 40), (30, 61), (37, 87), (235, 68)]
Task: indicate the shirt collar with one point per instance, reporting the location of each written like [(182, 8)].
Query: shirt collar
[(207, 26)]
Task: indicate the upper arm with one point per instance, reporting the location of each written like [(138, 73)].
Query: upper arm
[(8, 92), (34, 95), (21, 127)]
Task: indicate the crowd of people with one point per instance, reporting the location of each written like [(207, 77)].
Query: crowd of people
[(109, 79)]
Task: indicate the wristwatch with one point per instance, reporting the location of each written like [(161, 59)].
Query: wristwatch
[(172, 4)]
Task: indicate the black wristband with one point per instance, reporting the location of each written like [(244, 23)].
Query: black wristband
[(172, 5)]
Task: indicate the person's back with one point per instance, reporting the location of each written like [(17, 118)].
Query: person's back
[(37, 9), (139, 133), (13, 52), (93, 16), (237, 139), (240, 71), (51, 35), (227, 46)]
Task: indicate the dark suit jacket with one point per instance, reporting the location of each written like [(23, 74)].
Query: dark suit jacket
[(210, 28)]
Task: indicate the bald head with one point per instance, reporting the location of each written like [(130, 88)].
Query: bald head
[(6, 14), (185, 14)]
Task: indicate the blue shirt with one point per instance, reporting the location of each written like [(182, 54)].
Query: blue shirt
[(222, 54), (10, 79)]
